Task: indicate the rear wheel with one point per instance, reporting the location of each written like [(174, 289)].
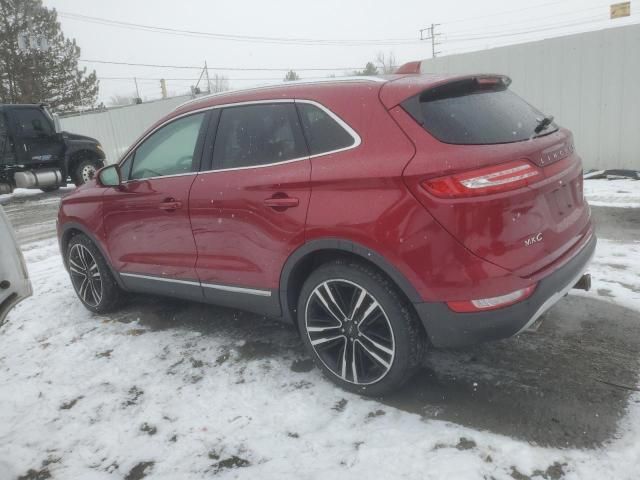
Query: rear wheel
[(91, 277), (358, 328), (85, 170)]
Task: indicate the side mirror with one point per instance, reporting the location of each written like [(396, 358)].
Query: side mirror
[(109, 176)]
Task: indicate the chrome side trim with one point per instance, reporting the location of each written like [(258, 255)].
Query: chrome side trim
[(249, 291), (160, 279), (226, 288), (356, 138)]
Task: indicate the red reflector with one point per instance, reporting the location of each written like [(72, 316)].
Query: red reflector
[(493, 179), (492, 303)]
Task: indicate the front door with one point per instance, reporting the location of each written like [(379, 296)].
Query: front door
[(146, 219), (248, 214), (36, 138)]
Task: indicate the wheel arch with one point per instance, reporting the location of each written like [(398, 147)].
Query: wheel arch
[(71, 229), (313, 253), (77, 154)]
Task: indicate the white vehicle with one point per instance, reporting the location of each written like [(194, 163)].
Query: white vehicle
[(14, 278)]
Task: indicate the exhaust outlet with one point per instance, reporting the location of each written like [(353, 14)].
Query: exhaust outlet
[(38, 178), (584, 283)]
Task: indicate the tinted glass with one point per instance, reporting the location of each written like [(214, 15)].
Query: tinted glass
[(31, 122), (169, 151), (467, 113), (322, 132), (125, 167), (258, 135)]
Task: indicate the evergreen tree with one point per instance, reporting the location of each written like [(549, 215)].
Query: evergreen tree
[(369, 70), (35, 75), (291, 75)]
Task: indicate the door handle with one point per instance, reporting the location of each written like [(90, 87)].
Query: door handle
[(281, 203), (170, 204)]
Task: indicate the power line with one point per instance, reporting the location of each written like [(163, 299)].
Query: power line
[(454, 38), (505, 12), (238, 38), (193, 67), (555, 16)]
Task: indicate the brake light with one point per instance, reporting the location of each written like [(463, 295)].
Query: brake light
[(492, 303), (483, 181)]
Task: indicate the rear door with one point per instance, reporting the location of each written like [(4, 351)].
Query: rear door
[(509, 193), (248, 213), (146, 219)]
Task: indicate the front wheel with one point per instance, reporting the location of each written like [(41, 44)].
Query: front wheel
[(358, 328), (91, 277), (85, 170)]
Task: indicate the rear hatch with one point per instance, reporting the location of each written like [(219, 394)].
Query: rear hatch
[(495, 172)]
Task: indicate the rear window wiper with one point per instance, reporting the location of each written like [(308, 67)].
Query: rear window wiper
[(543, 123)]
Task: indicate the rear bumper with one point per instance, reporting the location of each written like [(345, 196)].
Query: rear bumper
[(447, 328)]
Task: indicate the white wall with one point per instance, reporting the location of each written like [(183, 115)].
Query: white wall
[(117, 128), (590, 82)]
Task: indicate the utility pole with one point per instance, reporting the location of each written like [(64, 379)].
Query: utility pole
[(206, 71), (431, 35), (138, 99), (163, 87)]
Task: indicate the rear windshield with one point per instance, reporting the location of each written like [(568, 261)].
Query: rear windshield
[(476, 112)]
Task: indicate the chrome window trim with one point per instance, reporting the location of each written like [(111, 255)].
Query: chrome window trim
[(226, 288), (357, 139)]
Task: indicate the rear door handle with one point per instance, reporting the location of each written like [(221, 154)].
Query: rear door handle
[(170, 205), (281, 202)]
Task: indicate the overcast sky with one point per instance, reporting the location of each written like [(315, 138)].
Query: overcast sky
[(465, 25)]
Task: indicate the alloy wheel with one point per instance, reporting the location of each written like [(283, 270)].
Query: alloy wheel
[(85, 275), (350, 332)]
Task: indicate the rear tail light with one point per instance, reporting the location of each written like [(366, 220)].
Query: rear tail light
[(492, 303), (483, 181)]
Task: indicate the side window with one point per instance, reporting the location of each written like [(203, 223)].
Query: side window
[(323, 133), (168, 151), (255, 135), (31, 122)]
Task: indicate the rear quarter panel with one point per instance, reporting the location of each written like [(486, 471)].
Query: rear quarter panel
[(360, 195)]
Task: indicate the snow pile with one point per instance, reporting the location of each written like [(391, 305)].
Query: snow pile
[(613, 193), (190, 396)]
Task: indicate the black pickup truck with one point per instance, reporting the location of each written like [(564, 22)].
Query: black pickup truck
[(34, 155)]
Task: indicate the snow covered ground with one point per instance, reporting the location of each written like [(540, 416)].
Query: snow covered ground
[(184, 395), (613, 193)]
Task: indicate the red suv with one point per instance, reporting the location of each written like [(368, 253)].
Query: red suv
[(379, 215)]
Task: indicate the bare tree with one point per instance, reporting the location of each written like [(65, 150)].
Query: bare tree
[(219, 83), (387, 62), (291, 76)]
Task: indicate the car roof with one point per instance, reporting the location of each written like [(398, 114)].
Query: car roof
[(395, 87), (21, 105)]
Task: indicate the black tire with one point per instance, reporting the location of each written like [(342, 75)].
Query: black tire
[(102, 294), (391, 326), (85, 170), (50, 189)]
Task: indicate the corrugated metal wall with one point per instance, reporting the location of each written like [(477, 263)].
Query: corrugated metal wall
[(117, 128), (590, 82)]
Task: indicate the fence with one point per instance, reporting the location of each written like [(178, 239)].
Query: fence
[(588, 81), (117, 128)]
